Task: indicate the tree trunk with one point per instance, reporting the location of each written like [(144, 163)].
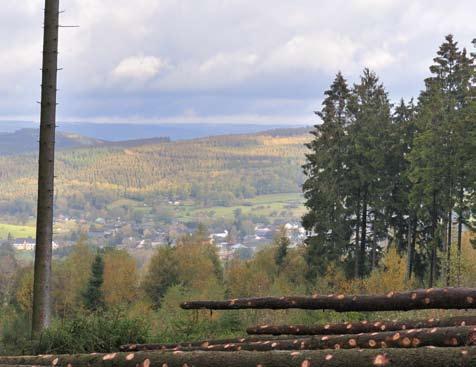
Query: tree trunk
[(417, 357), (421, 299), (433, 243), (363, 236), (359, 327), (460, 231), (357, 240), (448, 249), (414, 338), (177, 346), (408, 274), (374, 248), (44, 226)]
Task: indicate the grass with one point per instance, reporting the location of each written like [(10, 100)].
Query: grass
[(16, 231), (264, 205)]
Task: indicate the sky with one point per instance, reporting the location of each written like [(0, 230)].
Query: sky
[(219, 61)]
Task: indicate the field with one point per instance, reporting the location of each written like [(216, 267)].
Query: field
[(16, 231), (289, 205)]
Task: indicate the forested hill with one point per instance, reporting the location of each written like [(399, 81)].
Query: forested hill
[(26, 140), (210, 171)]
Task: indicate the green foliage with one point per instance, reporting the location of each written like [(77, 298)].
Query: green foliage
[(103, 332), (282, 243), (93, 295), (163, 272), (376, 177)]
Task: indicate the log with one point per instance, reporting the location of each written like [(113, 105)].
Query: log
[(359, 327), (433, 298), (419, 357), (186, 345), (414, 338)]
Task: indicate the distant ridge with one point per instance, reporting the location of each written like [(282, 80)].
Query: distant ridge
[(132, 131), (26, 141)]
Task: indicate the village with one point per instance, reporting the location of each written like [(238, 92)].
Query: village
[(146, 235)]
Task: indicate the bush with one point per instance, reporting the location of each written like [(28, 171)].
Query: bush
[(15, 334), (100, 332)]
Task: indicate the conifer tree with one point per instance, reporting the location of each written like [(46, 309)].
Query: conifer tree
[(93, 296), (325, 188), (370, 137)]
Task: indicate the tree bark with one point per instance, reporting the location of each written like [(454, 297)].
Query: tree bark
[(359, 327), (44, 226), (177, 346), (363, 236), (448, 248), (460, 231), (434, 221), (357, 240), (408, 274), (418, 357), (413, 338), (420, 299)]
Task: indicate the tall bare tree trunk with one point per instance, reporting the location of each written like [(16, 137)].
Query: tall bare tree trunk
[(460, 232), (44, 224), (357, 241), (448, 247)]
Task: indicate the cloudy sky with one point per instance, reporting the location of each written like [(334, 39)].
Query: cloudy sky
[(250, 61)]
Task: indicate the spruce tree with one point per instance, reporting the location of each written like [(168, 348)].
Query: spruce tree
[(326, 185), (368, 154), (93, 295)]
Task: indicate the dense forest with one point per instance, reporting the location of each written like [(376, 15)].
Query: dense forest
[(210, 171), (403, 174)]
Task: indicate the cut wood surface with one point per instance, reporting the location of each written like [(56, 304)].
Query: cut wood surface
[(359, 327), (418, 357), (413, 338), (432, 298)]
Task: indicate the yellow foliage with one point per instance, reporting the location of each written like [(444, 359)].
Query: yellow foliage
[(120, 278), (24, 292), (70, 278), (389, 276)]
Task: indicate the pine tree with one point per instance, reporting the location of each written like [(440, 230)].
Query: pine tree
[(325, 187), (370, 137), (441, 156), (93, 296), (401, 216)]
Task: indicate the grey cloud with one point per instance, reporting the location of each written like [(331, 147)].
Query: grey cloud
[(267, 60)]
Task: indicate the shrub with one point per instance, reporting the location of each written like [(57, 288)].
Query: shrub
[(99, 332)]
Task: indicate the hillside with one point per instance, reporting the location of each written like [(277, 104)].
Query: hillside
[(214, 171), (26, 141)]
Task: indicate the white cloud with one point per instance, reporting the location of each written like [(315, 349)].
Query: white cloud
[(325, 51), (138, 68), (378, 59), (158, 58)]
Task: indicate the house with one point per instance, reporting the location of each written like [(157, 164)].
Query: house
[(28, 244)]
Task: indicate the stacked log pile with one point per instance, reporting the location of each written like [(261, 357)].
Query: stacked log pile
[(433, 342)]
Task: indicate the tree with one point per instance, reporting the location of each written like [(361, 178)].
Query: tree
[(326, 184), (44, 226), (162, 273), (93, 295), (120, 278), (368, 155), (281, 243), (441, 160)]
